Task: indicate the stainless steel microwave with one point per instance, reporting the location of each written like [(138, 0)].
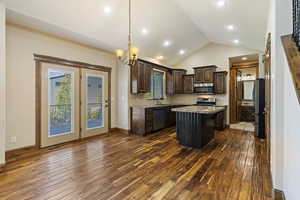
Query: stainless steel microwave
[(204, 88)]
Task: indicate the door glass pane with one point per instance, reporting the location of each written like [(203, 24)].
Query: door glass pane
[(94, 102), (60, 98)]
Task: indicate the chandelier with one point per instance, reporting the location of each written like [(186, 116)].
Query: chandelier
[(131, 55)]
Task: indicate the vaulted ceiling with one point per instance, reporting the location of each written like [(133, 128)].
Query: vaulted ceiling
[(187, 24)]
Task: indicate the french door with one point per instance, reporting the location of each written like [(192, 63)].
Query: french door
[(73, 103), (94, 103)]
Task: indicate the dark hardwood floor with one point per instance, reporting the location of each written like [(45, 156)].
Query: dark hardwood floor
[(233, 166)]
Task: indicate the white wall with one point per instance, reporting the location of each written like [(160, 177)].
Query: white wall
[(286, 109), (279, 25), (2, 83), (291, 172), (21, 45), (123, 96), (212, 54)]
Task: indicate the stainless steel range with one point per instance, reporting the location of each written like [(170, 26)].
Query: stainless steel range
[(210, 101)]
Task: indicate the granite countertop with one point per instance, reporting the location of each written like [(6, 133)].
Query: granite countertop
[(157, 106), (200, 109), (221, 105)]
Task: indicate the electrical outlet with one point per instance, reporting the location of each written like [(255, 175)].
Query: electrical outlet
[(13, 139)]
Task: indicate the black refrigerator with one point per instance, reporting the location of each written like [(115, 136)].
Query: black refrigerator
[(259, 97)]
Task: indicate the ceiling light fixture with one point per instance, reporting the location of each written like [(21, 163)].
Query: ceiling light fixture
[(221, 3), (182, 52), (230, 27), (236, 41), (132, 52), (107, 9), (244, 58), (167, 43), (145, 31)]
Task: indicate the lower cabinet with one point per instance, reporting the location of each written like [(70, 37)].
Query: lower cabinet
[(247, 113), (159, 118), (220, 120), (147, 120)]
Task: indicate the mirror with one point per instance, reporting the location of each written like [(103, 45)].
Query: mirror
[(248, 90)]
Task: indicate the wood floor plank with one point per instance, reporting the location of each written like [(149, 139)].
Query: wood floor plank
[(233, 166)]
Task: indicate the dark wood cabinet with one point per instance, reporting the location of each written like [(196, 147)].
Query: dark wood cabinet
[(147, 78), (220, 120), (141, 120), (171, 117), (170, 83), (220, 82), (247, 113), (188, 84), (178, 81), (209, 75), (199, 75), (146, 120), (160, 116), (175, 83), (205, 74), (141, 77)]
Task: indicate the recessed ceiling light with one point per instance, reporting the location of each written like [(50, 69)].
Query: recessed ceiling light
[(159, 57), (182, 52), (236, 41), (107, 9), (145, 31), (230, 27), (221, 3), (167, 43), (244, 58)]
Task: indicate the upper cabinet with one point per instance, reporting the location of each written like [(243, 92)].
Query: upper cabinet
[(220, 82), (175, 82), (170, 83), (178, 80), (141, 77), (188, 84), (205, 74)]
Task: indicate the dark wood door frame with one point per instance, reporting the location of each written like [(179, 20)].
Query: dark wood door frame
[(232, 90), (267, 63), (39, 59)]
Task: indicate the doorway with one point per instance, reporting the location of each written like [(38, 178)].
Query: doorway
[(94, 115), (73, 100), (243, 73)]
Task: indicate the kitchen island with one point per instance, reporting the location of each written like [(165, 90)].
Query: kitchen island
[(195, 125)]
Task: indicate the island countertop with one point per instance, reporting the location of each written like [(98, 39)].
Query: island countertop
[(200, 109), (157, 105)]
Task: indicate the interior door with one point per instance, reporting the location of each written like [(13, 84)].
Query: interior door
[(59, 104), (239, 91), (233, 96), (94, 103), (267, 64)]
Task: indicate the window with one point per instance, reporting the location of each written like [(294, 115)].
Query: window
[(157, 85)]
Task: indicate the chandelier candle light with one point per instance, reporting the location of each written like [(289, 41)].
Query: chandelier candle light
[(132, 52)]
